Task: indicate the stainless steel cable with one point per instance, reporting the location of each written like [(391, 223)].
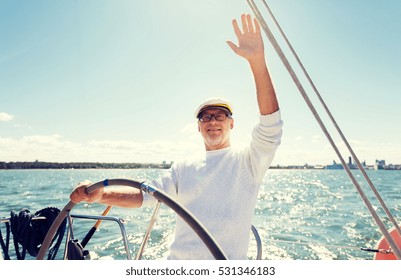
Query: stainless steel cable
[(326, 108), (301, 89)]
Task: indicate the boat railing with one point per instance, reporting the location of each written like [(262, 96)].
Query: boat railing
[(120, 223)]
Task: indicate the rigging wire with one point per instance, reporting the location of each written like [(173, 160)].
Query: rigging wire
[(286, 63), (357, 161)]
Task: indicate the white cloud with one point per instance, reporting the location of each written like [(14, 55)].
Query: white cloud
[(4, 117), (41, 147), (56, 149), (186, 145), (190, 131), (316, 139), (316, 151)]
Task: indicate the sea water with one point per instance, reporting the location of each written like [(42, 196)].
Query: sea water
[(300, 214)]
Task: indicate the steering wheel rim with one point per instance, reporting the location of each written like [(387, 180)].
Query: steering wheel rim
[(163, 197)]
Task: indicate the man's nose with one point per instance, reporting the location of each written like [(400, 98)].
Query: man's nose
[(213, 119)]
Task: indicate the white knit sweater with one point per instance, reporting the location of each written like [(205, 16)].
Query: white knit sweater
[(221, 191)]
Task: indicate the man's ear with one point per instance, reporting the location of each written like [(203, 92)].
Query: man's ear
[(232, 124)]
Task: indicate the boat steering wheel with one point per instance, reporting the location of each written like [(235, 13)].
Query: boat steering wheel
[(163, 197)]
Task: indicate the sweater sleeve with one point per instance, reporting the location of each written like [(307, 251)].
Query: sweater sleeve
[(167, 183), (266, 137)]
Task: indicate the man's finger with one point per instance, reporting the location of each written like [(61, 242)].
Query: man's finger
[(257, 26), (244, 24), (236, 28), (250, 24), (233, 46)]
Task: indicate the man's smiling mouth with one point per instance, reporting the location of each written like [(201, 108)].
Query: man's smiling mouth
[(214, 129)]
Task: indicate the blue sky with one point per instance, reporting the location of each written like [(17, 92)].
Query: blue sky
[(118, 81)]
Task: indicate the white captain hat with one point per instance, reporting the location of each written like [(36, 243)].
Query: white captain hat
[(214, 103)]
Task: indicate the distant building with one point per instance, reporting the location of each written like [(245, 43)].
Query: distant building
[(334, 165), (379, 164), (351, 165)]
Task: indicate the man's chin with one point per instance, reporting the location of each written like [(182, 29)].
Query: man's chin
[(217, 141), (215, 144)]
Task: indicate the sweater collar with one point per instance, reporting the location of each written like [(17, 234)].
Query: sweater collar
[(216, 153)]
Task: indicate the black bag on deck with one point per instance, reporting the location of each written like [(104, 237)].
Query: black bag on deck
[(76, 251)]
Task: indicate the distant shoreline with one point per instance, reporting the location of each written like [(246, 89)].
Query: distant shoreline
[(79, 165), (163, 165)]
